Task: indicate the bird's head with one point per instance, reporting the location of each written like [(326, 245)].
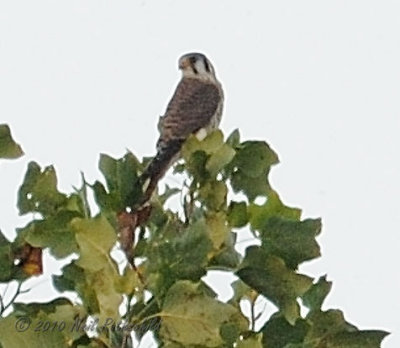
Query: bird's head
[(196, 65)]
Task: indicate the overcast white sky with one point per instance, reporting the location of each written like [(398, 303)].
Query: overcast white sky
[(319, 80)]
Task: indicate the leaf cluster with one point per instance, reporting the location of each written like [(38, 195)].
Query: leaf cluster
[(160, 286)]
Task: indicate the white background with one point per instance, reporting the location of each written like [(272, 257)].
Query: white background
[(319, 80)]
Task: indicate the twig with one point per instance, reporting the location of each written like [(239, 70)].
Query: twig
[(253, 316), (1, 304), (17, 293)]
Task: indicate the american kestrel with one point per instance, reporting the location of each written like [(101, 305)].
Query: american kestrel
[(195, 108)]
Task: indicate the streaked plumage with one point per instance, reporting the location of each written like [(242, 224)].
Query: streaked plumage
[(195, 106)]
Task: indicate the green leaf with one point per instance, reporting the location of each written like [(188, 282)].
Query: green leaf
[(229, 333), (226, 258), (168, 193), (180, 256), (293, 241), (218, 228), (240, 291), (145, 317), (210, 144), (196, 166), (219, 159), (34, 308), (237, 214), (255, 158), (254, 341), (234, 139), (172, 345), (107, 202), (330, 329), (90, 343), (41, 325), (128, 282), (251, 187), (6, 259), (8, 147), (83, 202), (213, 195), (250, 167), (269, 275), (73, 278), (122, 179), (39, 193), (279, 333), (55, 233), (316, 295), (71, 316), (364, 339), (28, 338), (327, 324), (204, 159), (70, 277), (75, 203), (119, 173), (259, 214), (95, 238), (191, 317)]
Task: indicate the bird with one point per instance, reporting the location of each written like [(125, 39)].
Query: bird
[(195, 108)]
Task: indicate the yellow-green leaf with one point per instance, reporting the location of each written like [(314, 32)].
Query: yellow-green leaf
[(218, 227), (220, 159), (190, 317), (95, 238)]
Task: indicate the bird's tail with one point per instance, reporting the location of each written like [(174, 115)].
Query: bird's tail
[(158, 166)]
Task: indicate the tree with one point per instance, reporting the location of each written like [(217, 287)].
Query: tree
[(167, 253)]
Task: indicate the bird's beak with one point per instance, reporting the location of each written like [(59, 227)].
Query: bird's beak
[(184, 63)]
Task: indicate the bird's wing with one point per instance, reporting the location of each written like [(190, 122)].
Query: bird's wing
[(191, 108)]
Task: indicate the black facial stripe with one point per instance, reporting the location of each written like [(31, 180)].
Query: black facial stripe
[(192, 61), (206, 65)]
